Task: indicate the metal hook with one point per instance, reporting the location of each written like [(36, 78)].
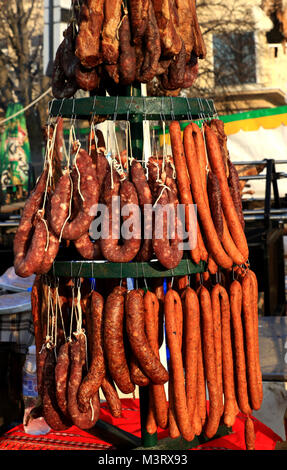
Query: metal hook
[(80, 270), (189, 113), (73, 115), (60, 109), (144, 278), (162, 116), (200, 108), (145, 111), (129, 108), (211, 114), (93, 112), (188, 267), (116, 108), (172, 109)]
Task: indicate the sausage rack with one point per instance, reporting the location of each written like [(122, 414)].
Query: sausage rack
[(135, 109)]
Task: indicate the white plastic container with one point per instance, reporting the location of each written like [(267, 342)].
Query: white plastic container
[(30, 395)]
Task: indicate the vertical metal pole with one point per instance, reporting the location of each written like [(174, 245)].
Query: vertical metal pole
[(147, 440)]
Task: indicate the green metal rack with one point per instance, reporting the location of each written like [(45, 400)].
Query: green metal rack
[(135, 109)]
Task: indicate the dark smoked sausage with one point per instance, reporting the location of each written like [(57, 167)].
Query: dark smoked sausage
[(148, 360), (113, 340)]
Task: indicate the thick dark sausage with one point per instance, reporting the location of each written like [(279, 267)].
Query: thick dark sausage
[(148, 361)]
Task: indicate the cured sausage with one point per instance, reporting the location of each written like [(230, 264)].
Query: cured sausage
[(87, 79), (88, 248), (137, 375), (191, 72), (218, 127), (229, 245), (167, 249), (51, 411), (256, 335), (31, 236), (97, 370), (110, 246), (62, 370), (52, 245), (212, 266), (89, 189), (234, 187), (174, 77), (151, 46), (191, 341), (138, 178), (217, 333), (214, 200), (174, 431), (230, 404), (185, 195), (147, 359), (212, 195), (172, 308), (62, 87), (127, 59), (201, 387), (113, 340), (249, 434), (235, 293), (112, 397), (249, 334), (214, 415), (151, 424), (158, 289), (87, 419), (217, 166), (212, 240), (151, 313)]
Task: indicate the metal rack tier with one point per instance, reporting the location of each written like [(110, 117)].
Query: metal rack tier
[(107, 270), (132, 108)]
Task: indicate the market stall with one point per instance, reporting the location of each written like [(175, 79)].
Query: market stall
[(135, 292)]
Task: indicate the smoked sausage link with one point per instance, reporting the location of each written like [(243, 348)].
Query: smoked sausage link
[(210, 364), (114, 342), (239, 353), (151, 308), (82, 420), (173, 309), (30, 238), (92, 381), (250, 346), (147, 359), (191, 344), (52, 413)]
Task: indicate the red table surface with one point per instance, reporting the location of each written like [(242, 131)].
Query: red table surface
[(77, 439)]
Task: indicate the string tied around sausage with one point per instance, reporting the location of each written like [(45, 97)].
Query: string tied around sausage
[(125, 10), (78, 143), (163, 187)]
